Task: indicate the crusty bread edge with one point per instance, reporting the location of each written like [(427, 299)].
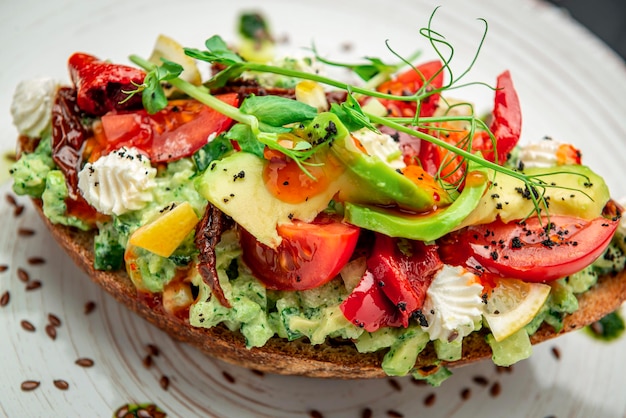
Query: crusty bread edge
[(330, 360)]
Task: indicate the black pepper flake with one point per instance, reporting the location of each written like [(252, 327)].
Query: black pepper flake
[(240, 175), (494, 255), (419, 316)]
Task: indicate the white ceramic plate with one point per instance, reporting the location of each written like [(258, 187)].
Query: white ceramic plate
[(571, 87)]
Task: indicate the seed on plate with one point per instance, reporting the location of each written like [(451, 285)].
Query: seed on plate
[(54, 320), (495, 389), (29, 385), (35, 261), (229, 378), (430, 399), (61, 384), (466, 394), (51, 331), (35, 284), (394, 384), (258, 372), (556, 353), (480, 380), (18, 210), (11, 199), (84, 362), (3, 268), (28, 326), (23, 275), (153, 350), (164, 382), (25, 232), (5, 298), (394, 414), (147, 361), (314, 413), (367, 413), (90, 307)]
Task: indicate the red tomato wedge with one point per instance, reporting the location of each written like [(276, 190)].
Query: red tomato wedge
[(309, 255), (177, 131), (526, 251)]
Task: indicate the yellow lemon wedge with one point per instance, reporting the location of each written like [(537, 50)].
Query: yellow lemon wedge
[(163, 235), (168, 48), (512, 305)]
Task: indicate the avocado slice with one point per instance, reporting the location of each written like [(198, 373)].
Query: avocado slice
[(374, 181), (574, 190), (423, 227)]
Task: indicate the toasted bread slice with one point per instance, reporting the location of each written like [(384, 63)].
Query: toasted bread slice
[(334, 359)]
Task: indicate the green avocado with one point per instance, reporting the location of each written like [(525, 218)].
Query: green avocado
[(423, 227), (573, 190), (374, 182)]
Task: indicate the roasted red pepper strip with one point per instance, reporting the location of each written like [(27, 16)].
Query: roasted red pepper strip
[(506, 125), (406, 272), (368, 307), (394, 286), (409, 82), (100, 85)]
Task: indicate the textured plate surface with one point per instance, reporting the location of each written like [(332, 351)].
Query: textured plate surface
[(572, 88)]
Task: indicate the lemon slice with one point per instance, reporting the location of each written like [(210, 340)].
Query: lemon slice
[(168, 48), (512, 305)]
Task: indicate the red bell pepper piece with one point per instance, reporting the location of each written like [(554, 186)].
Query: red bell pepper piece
[(506, 125), (409, 82), (394, 286), (100, 85), (368, 307)]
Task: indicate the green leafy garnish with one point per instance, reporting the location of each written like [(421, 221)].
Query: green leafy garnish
[(152, 95)]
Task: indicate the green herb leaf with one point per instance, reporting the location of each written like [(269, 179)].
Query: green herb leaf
[(212, 151), (276, 110), (254, 27), (243, 135), (217, 51)]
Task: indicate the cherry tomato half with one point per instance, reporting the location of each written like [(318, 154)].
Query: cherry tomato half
[(526, 251), (177, 131), (309, 255)]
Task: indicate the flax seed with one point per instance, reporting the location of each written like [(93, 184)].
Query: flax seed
[(35, 284), (153, 350), (25, 232), (394, 384), (61, 384), (51, 331), (430, 400), (23, 275), (90, 307), (18, 210), (28, 326), (229, 378), (164, 382), (35, 261), (54, 320), (495, 389), (556, 353), (3, 268), (29, 385), (84, 362), (5, 299)]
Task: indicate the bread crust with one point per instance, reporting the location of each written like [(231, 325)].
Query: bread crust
[(333, 359)]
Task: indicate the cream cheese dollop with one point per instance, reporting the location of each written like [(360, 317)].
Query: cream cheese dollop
[(382, 146), (118, 182), (453, 304), (548, 153), (31, 107)]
